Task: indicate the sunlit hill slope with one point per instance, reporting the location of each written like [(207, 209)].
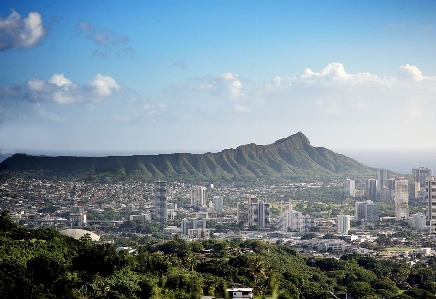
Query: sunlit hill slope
[(287, 158)]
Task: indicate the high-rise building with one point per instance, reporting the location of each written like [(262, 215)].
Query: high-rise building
[(343, 222), (253, 212), (401, 198), (371, 189), (350, 186), (160, 201), (431, 202), (372, 213), (419, 176), (260, 212), (285, 207), (366, 212), (360, 212), (218, 203), (418, 221), (198, 196), (77, 216), (382, 178), (194, 229), (295, 221)]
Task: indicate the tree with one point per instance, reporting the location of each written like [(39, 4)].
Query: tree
[(360, 289)]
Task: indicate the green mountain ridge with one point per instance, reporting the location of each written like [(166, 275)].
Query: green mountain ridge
[(287, 158)]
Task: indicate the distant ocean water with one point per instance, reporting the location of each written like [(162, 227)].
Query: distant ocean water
[(401, 161)]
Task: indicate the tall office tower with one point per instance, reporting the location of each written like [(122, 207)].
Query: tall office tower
[(401, 198), (77, 216), (253, 212), (250, 199), (192, 224), (371, 189), (295, 221), (285, 207), (350, 186), (198, 196), (160, 201), (382, 178), (419, 176), (263, 214), (431, 202), (372, 213), (418, 221), (242, 212), (360, 210), (343, 224), (218, 203), (260, 212), (366, 211)]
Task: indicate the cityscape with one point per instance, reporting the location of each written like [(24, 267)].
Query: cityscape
[(155, 149), (268, 213)]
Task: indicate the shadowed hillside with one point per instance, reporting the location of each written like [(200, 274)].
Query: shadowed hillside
[(287, 158)]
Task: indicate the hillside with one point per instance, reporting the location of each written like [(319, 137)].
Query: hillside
[(291, 157)]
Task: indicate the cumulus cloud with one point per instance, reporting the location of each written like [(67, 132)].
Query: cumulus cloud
[(335, 94), (333, 74), (18, 32), (59, 89), (150, 114), (103, 86), (41, 112), (410, 72), (226, 85)]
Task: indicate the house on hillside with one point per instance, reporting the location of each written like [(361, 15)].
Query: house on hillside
[(240, 292)]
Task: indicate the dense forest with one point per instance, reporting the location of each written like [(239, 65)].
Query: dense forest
[(42, 263)]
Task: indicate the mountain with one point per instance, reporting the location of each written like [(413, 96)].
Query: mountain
[(4, 156), (288, 158)]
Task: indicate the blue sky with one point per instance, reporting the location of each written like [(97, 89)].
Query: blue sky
[(170, 76)]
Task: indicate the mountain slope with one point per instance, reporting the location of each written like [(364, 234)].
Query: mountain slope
[(291, 157)]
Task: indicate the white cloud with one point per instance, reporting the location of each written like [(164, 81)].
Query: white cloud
[(242, 108), (65, 98), (16, 32), (409, 72), (334, 96), (60, 80), (41, 112), (103, 86), (36, 84), (226, 85), (59, 89)]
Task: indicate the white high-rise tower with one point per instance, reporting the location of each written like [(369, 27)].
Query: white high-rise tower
[(401, 198), (160, 201), (431, 202), (198, 196)]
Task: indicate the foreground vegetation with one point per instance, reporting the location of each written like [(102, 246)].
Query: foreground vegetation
[(42, 263)]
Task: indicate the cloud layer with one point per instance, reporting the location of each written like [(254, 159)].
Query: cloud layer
[(16, 32), (61, 90)]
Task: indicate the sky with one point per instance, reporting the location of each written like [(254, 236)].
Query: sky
[(197, 76)]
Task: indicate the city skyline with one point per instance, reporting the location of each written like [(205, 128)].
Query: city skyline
[(195, 76)]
